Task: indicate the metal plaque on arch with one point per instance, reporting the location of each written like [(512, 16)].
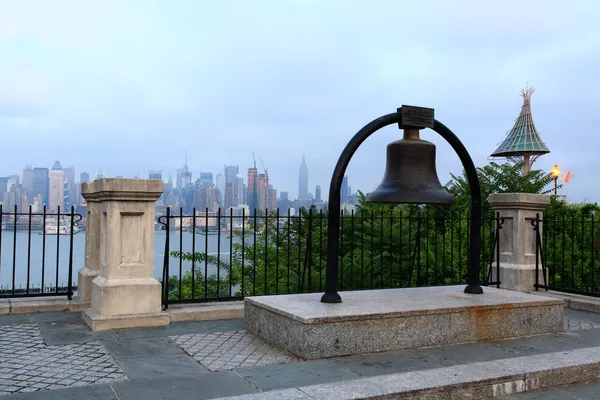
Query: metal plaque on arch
[(417, 117)]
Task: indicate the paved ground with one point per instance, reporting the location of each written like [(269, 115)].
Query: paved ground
[(55, 355)]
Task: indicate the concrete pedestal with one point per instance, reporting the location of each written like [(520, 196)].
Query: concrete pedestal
[(392, 319), (518, 239), (91, 269), (125, 293)]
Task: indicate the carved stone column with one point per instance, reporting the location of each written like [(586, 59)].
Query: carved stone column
[(125, 293), (518, 239)]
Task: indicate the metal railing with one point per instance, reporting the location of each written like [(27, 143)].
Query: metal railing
[(567, 247), (222, 256), (30, 257)]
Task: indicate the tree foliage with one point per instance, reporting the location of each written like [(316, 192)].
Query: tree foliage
[(499, 178)]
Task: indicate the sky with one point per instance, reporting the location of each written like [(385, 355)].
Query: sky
[(128, 86)]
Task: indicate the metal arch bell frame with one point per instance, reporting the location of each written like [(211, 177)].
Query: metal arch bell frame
[(331, 294)]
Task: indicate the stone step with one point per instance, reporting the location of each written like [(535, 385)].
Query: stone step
[(481, 380)]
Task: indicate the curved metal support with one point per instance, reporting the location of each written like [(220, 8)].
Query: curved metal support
[(331, 294)]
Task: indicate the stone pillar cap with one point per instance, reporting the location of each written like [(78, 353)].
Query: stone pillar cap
[(122, 189), (523, 201)]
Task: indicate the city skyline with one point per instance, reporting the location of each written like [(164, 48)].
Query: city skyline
[(98, 172), (58, 188)]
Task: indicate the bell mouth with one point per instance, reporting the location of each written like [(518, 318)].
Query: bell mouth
[(410, 195)]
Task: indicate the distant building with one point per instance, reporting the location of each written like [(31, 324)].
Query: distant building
[(16, 196), (231, 172), (57, 185), (41, 184), (262, 193), (318, 193), (83, 177), (303, 181), (240, 189), (184, 176), (70, 195), (228, 200), (169, 184), (155, 175), (272, 198), (13, 180), (252, 190), (206, 179), (28, 182), (221, 189)]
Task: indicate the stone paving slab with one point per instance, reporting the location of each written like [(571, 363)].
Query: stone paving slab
[(27, 364), (221, 351)]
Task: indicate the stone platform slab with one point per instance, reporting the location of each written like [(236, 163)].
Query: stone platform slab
[(392, 319), (481, 380)]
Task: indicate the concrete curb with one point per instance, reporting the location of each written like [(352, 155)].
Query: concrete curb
[(177, 313), (477, 380), (225, 310), (574, 301), (30, 305), (207, 311)]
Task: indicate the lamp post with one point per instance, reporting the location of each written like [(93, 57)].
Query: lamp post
[(555, 173), (410, 119)]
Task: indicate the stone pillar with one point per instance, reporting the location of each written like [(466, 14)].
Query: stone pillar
[(125, 293), (518, 239), (91, 269)]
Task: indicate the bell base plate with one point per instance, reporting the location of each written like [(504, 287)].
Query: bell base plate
[(371, 321)]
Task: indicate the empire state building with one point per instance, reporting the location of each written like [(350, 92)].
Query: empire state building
[(303, 181)]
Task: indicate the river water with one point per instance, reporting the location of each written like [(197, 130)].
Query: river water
[(53, 275)]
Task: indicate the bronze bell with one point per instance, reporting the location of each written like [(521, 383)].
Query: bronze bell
[(410, 174)]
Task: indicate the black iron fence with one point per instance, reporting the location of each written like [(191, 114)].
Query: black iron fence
[(568, 246), (33, 248), (214, 256)]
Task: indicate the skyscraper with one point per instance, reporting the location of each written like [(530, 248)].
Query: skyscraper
[(228, 195), (206, 179), (303, 181), (155, 175), (345, 190), (57, 185), (231, 172), (70, 186), (239, 190), (28, 182), (3, 186), (169, 184), (318, 193), (41, 184), (13, 180), (263, 192), (221, 189), (184, 176), (252, 192)]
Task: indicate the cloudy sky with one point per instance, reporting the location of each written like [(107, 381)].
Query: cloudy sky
[(129, 86)]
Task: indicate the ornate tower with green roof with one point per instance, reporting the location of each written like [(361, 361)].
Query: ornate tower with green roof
[(523, 143)]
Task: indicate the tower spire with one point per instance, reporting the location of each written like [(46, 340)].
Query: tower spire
[(523, 143)]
